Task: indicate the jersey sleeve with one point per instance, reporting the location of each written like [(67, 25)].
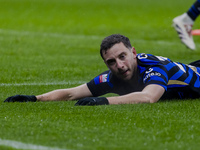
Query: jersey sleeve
[(100, 85), (156, 75)]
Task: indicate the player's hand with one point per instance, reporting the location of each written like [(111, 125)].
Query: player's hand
[(91, 101), (21, 98)]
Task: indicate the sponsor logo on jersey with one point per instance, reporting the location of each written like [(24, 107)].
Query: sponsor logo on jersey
[(151, 74), (150, 70)]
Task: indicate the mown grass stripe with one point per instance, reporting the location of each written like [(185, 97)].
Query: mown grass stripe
[(45, 34)]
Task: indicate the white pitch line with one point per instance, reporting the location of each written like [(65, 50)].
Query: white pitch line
[(20, 145), (38, 84)]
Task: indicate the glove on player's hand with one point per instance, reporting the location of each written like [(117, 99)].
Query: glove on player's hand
[(91, 101), (21, 98)]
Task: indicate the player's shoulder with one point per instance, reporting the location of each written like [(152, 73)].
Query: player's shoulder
[(151, 59), (103, 77)]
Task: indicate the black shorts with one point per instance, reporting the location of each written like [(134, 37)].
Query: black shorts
[(195, 63)]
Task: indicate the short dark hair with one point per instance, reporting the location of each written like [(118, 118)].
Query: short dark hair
[(113, 39)]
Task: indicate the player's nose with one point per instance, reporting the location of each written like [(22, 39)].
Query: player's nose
[(120, 64)]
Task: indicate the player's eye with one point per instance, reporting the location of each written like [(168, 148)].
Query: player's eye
[(122, 56), (111, 62)]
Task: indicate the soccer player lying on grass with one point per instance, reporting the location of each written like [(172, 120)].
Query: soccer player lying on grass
[(136, 78)]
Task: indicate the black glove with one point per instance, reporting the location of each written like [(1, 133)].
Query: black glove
[(91, 101), (21, 98)]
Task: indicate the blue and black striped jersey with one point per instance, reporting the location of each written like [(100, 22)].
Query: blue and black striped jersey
[(179, 80)]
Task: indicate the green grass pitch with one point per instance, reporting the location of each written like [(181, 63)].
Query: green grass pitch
[(52, 44)]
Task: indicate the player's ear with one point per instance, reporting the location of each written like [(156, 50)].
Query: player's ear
[(134, 51)]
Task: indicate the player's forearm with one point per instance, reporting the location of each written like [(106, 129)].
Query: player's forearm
[(150, 94), (57, 95), (66, 94), (133, 98)]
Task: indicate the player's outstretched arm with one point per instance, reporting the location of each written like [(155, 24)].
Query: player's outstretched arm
[(66, 94), (56, 95), (150, 94)]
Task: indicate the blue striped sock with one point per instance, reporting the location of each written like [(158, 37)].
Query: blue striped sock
[(194, 11)]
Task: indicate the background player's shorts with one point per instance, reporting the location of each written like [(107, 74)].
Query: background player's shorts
[(195, 63)]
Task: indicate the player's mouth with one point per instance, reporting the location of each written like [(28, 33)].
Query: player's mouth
[(124, 72)]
